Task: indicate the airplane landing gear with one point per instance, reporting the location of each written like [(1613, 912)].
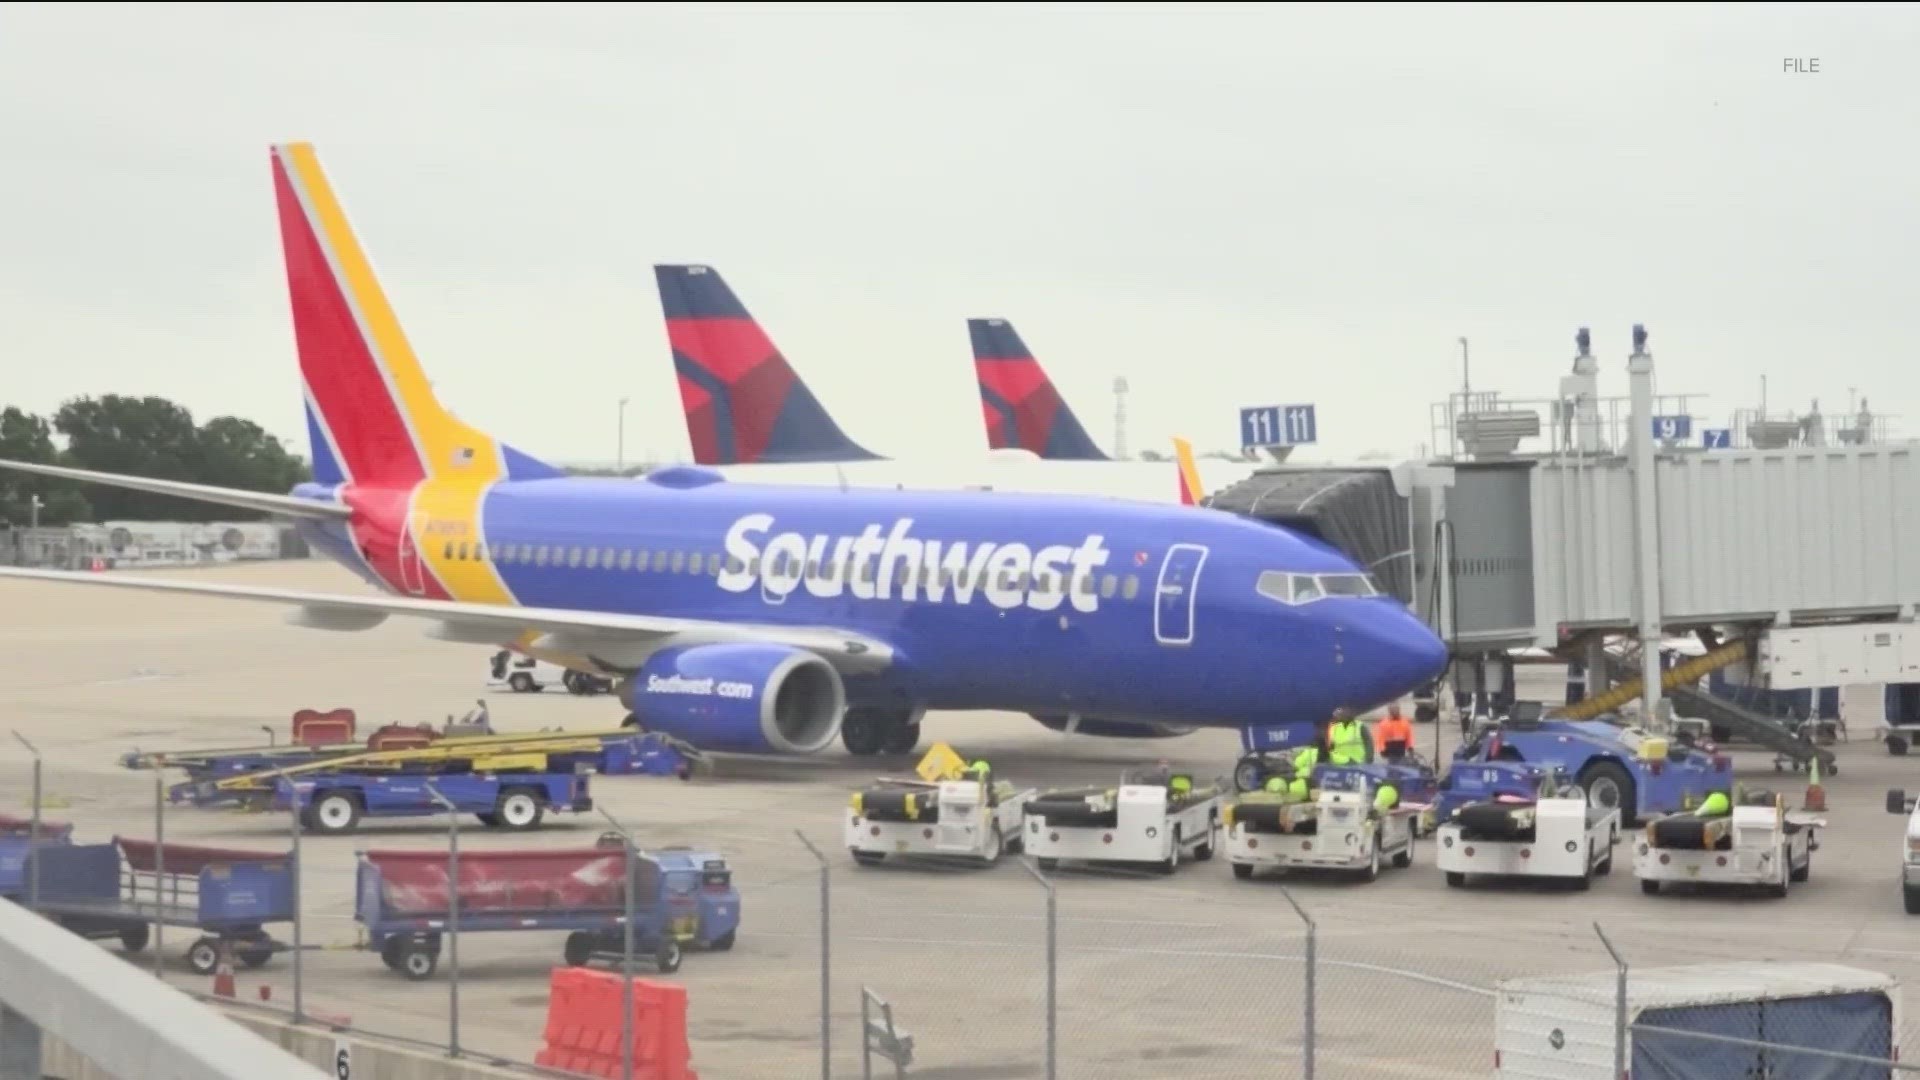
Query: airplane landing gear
[(870, 732)]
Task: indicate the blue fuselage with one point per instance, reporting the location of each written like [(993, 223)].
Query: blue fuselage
[(1033, 603)]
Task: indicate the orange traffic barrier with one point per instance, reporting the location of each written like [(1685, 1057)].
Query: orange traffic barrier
[(584, 1021)]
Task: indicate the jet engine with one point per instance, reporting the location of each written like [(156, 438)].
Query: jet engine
[(1112, 729), (741, 697)]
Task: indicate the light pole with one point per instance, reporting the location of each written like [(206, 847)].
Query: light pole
[(620, 441), (33, 511)]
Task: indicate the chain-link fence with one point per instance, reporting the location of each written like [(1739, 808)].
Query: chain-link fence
[(960, 970)]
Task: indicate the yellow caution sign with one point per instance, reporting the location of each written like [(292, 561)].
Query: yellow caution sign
[(941, 763)]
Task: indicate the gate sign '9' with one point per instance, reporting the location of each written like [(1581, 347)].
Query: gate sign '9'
[(1672, 428), (1279, 425)]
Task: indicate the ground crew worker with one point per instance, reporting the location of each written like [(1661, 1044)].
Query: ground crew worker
[(982, 772), (1393, 736), (1347, 740), (1276, 785), (1180, 787), (1715, 805), (1304, 759)]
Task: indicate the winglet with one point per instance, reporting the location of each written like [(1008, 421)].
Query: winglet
[(1189, 475)]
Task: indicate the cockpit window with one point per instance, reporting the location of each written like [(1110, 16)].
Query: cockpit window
[(1290, 588), (1277, 584), (1347, 585)]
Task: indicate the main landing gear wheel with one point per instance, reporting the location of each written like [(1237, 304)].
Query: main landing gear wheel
[(903, 738), (870, 732)]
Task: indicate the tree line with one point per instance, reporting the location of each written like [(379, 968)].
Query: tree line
[(140, 436), (145, 436)]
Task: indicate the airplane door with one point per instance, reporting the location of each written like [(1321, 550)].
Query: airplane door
[(413, 571), (1173, 603)]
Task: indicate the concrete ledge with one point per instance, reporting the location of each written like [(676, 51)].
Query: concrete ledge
[(372, 1058)]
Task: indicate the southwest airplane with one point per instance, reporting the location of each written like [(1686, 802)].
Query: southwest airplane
[(750, 414), (769, 619)]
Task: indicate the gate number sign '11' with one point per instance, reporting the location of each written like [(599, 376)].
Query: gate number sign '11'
[(1278, 425)]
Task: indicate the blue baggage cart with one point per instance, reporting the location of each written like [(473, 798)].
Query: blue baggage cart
[(122, 888), (404, 902), (16, 840)]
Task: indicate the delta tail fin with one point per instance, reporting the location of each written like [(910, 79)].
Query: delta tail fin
[(1022, 409), (1189, 474), (371, 414), (744, 403)]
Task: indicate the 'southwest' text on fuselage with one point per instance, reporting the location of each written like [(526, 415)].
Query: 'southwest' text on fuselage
[(873, 566)]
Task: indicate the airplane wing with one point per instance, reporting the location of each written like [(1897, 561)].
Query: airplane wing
[(616, 639), (284, 505)]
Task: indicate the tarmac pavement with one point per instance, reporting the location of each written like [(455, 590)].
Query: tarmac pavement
[(1194, 972)]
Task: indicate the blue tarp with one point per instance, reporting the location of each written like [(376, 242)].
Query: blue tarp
[(1859, 1024)]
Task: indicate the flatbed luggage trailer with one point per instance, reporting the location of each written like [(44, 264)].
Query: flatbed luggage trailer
[(1759, 843), (1140, 823), (121, 888), (404, 905), (1338, 830)]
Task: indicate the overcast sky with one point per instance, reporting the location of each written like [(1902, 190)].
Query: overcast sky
[(1227, 205)]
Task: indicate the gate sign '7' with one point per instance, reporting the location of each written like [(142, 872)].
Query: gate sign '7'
[(1716, 438), (1279, 425)]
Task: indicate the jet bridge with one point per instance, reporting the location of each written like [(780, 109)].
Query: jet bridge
[(1360, 511)]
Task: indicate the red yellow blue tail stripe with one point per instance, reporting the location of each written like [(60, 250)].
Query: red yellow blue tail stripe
[(1190, 490)]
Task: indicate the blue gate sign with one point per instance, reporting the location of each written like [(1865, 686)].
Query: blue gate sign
[(1672, 428), (1279, 425), (1716, 438)]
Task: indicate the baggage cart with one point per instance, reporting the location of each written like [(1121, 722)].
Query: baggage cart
[(1339, 828), (16, 840), (122, 888), (1557, 836), (1759, 843), (940, 812), (403, 901), (1150, 819)]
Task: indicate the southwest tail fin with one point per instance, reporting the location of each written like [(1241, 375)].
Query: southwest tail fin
[(1022, 409), (744, 404), (1189, 474), (371, 414)]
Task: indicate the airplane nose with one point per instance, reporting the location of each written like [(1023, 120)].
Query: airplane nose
[(1399, 652)]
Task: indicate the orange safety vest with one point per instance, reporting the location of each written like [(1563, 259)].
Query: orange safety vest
[(1392, 729)]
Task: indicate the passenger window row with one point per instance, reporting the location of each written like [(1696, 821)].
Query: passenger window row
[(711, 563)]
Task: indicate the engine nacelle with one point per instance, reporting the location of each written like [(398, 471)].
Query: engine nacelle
[(741, 697), (1112, 729)]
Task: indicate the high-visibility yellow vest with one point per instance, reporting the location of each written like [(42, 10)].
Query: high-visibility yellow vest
[(1348, 743)]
